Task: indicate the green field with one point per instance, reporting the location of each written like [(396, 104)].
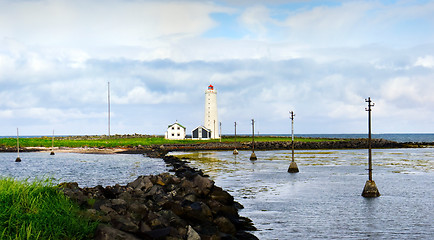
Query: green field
[(38, 210), (130, 141)]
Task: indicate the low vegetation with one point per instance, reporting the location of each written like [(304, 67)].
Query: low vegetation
[(38, 210), (132, 140)]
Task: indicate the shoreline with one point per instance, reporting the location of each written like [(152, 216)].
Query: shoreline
[(160, 150)]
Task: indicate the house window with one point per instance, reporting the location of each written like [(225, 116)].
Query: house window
[(173, 128), (179, 134), (178, 128), (173, 134)]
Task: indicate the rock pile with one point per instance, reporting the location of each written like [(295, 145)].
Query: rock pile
[(186, 205), (161, 150)]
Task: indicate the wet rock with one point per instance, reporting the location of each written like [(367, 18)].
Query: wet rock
[(203, 184), (104, 232), (192, 234), (225, 225), (124, 224)]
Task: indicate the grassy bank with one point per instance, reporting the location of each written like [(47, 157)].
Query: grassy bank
[(38, 210), (130, 141)]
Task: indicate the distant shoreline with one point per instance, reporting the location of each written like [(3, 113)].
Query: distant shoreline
[(159, 150)]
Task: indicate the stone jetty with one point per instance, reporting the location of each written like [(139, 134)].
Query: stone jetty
[(183, 205), (161, 150)]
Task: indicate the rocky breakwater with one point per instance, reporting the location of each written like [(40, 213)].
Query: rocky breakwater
[(186, 205), (161, 150)]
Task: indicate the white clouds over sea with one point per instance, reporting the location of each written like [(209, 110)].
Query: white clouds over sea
[(265, 58)]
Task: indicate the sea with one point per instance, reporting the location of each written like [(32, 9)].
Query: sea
[(322, 201)]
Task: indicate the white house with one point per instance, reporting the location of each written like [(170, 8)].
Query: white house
[(200, 133), (175, 132)]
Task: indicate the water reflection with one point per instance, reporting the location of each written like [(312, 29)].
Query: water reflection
[(323, 200)]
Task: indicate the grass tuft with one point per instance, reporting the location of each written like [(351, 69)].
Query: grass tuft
[(38, 210)]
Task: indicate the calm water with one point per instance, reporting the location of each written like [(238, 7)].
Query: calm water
[(88, 170), (323, 200)]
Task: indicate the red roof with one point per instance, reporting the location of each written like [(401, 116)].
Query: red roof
[(210, 87)]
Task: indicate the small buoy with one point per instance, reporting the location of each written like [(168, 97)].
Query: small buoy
[(235, 151), (52, 153), (18, 159), (253, 156)]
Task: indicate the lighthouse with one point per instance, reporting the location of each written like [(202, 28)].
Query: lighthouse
[(211, 117)]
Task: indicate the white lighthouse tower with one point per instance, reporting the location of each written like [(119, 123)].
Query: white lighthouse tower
[(211, 117)]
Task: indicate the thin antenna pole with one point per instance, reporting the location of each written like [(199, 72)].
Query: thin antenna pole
[(108, 96)]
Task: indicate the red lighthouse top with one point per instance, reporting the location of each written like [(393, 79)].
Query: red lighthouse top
[(210, 87)]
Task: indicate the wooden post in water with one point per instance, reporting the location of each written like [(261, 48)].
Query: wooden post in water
[(292, 166), (235, 141), (52, 144), (18, 148), (370, 190), (253, 156)]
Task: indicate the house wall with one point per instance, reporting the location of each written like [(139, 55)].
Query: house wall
[(175, 132)]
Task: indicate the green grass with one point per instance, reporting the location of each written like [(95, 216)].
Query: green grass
[(38, 210), (119, 141)]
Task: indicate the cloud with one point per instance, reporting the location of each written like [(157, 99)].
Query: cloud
[(426, 61), (142, 95), (113, 23), (320, 60), (255, 19)]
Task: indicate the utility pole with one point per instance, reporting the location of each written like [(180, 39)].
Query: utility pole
[(52, 144), (108, 96), (253, 156), (235, 150), (220, 133), (18, 148), (370, 189), (293, 166)]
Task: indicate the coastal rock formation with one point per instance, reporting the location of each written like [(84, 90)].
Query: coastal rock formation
[(186, 205), (161, 150)]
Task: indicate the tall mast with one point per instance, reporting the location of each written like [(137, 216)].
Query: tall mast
[(108, 96)]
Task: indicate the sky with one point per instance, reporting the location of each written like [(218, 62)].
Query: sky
[(320, 59)]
